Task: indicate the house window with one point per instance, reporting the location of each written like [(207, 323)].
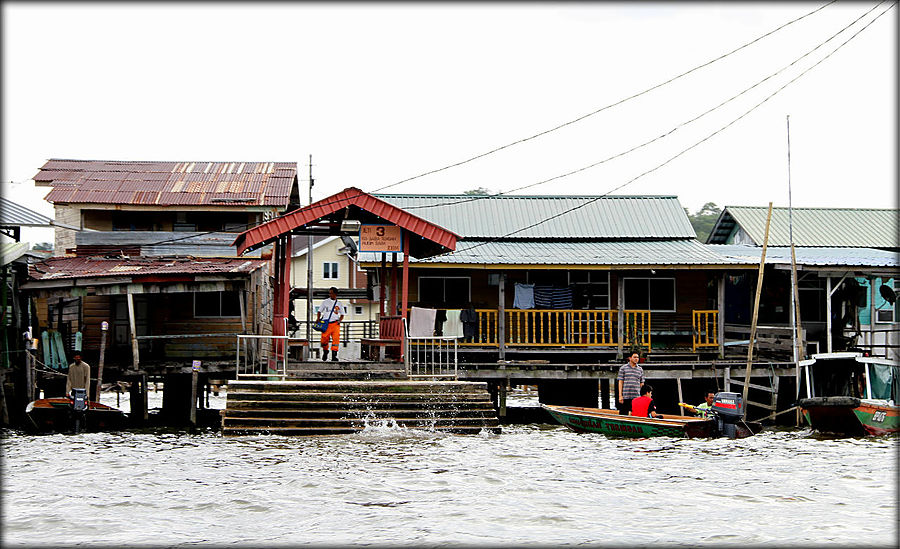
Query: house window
[(217, 304), (654, 294), (590, 289), (447, 291), (330, 270), (357, 310)]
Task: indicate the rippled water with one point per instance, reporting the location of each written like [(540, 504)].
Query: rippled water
[(537, 484)]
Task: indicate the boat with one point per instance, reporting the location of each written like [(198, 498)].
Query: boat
[(59, 415), (724, 420), (850, 394)]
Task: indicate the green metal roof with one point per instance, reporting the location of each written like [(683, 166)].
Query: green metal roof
[(610, 253), (822, 227), (551, 217)]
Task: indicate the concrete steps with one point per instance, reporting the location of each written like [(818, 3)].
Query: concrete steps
[(318, 407)]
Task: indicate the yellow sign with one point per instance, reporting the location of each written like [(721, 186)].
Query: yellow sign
[(380, 238)]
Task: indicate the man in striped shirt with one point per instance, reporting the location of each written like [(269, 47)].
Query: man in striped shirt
[(631, 379)]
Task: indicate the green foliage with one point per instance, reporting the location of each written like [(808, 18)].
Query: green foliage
[(704, 219), (480, 191)]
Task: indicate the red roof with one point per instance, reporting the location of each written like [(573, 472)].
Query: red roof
[(169, 183), (429, 239), (56, 268)]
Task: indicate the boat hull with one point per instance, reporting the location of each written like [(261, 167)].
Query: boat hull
[(55, 415), (850, 416), (609, 422)]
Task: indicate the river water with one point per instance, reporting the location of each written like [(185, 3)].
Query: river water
[(537, 485)]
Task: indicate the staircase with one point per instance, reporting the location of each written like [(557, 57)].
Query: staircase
[(324, 407)]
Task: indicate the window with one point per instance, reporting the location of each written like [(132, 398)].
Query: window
[(590, 289), (654, 294), (357, 310), (330, 270), (448, 291), (217, 304)]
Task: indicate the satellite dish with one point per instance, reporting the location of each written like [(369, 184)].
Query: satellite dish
[(887, 293)]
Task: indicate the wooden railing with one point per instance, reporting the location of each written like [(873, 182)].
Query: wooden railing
[(705, 329)]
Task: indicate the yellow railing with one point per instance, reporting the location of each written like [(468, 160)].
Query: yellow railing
[(706, 329), (637, 330)]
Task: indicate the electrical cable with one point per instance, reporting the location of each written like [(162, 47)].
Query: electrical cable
[(657, 138), (606, 107), (683, 151)]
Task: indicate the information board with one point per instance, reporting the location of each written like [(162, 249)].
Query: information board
[(380, 238)]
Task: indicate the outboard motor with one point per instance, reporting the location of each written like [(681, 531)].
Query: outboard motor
[(79, 407), (728, 410)]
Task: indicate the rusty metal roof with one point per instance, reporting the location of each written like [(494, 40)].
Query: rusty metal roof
[(427, 238), (168, 183), (56, 268)]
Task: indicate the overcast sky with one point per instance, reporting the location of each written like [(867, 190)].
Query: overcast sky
[(378, 93)]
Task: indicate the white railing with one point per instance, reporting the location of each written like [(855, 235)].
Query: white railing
[(430, 357), (254, 356)]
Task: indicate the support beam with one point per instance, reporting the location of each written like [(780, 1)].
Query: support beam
[(405, 291), (135, 354), (720, 302), (501, 314), (620, 308), (828, 327)]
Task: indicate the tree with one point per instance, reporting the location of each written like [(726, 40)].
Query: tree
[(704, 220), (480, 191)]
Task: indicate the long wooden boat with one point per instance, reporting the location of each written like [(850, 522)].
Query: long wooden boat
[(55, 415), (851, 395), (609, 422)]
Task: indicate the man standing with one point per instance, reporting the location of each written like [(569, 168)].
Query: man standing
[(79, 375), (333, 312), (631, 379)]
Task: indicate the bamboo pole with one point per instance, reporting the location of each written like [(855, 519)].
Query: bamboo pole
[(797, 334), (104, 326), (759, 281)]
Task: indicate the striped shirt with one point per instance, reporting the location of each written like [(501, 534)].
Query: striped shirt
[(632, 376)]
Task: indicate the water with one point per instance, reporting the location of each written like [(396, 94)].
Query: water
[(387, 486)]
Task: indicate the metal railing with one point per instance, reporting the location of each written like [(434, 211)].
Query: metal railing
[(350, 330), (261, 354), (430, 357)]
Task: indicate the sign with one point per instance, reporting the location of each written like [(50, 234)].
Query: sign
[(195, 365), (380, 238)]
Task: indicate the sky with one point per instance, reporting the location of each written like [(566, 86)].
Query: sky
[(378, 93)]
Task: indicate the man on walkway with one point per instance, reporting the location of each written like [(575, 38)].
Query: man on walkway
[(79, 375), (332, 311), (631, 378)]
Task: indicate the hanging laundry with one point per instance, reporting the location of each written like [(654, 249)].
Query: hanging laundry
[(551, 297), (524, 296), (453, 327), (421, 322), (469, 319)]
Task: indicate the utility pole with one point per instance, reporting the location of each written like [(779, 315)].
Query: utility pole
[(309, 271)]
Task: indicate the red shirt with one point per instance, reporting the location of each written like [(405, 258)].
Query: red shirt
[(640, 406)]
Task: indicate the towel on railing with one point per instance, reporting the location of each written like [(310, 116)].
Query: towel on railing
[(421, 322), (453, 326), (524, 296)]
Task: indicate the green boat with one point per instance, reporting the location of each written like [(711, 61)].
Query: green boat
[(610, 423), (850, 394)]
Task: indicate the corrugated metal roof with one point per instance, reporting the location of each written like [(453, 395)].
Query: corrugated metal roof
[(77, 267), (822, 227), (157, 243), (811, 256), (673, 252), (587, 217), (16, 215), (428, 238), (168, 183), (11, 251)]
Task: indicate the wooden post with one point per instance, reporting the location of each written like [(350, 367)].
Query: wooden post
[(759, 281), (135, 355), (405, 291), (29, 375), (104, 327), (795, 309), (393, 284), (501, 397), (620, 306), (871, 316), (721, 315), (501, 324), (829, 343), (680, 395), (193, 413)]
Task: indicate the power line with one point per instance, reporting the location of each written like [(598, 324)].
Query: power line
[(683, 151), (664, 134), (601, 109)]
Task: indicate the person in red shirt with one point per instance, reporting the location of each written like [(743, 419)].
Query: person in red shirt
[(643, 405)]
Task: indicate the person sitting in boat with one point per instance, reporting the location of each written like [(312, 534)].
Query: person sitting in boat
[(79, 375), (643, 405), (703, 409)]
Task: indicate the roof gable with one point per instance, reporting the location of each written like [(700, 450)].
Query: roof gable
[(169, 183), (514, 217), (811, 227)]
